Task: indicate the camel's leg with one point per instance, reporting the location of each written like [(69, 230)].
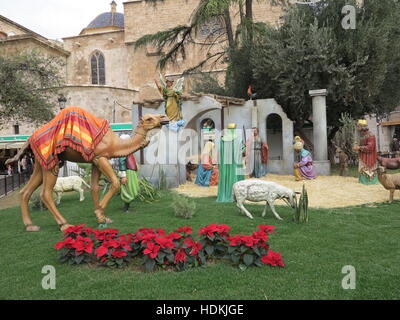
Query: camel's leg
[(391, 196), (271, 205), (49, 180), (94, 184), (105, 168), (25, 194)]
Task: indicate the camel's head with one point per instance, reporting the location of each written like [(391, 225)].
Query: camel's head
[(152, 121)]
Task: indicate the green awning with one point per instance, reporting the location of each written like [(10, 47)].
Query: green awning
[(10, 139), (14, 142), (121, 126)]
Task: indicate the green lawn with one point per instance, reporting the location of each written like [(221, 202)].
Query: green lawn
[(364, 237)]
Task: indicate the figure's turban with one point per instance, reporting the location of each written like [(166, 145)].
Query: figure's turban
[(363, 123)]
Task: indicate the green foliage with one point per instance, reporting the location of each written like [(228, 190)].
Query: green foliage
[(345, 137), (206, 83), (27, 87), (147, 192), (301, 208), (311, 50), (183, 206), (174, 41), (162, 180)]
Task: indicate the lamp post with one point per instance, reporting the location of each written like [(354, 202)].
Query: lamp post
[(62, 100)]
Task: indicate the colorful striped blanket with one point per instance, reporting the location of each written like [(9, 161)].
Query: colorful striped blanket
[(73, 127)]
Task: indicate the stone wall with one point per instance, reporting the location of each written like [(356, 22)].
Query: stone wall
[(111, 45), (142, 63), (170, 13), (8, 28), (99, 100)]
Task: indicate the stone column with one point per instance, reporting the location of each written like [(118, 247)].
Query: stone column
[(320, 131)]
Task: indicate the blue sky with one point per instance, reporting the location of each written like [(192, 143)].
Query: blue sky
[(55, 19)]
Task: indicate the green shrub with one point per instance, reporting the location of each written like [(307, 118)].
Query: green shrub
[(147, 192), (183, 206), (162, 180)]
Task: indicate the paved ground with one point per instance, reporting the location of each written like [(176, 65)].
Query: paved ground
[(9, 201)]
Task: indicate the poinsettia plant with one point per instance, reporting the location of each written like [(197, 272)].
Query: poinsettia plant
[(249, 250), (114, 251), (177, 249), (77, 247), (214, 239)]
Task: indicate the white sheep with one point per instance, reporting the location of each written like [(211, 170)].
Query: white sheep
[(72, 183), (258, 190)]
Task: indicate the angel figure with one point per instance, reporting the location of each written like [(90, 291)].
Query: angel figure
[(172, 96)]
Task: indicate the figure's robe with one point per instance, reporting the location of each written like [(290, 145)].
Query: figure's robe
[(172, 103), (128, 169), (256, 157), (231, 168), (367, 162), (306, 169), (207, 173)]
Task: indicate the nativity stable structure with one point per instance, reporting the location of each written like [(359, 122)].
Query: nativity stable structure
[(207, 115)]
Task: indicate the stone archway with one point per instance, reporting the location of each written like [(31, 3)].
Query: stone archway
[(195, 112), (273, 125), (268, 107)]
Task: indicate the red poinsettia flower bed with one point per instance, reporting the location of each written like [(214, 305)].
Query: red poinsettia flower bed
[(177, 249)]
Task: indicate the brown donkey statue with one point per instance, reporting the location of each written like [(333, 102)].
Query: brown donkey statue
[(107, 146)]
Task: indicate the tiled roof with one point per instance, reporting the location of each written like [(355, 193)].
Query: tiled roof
[(108, 19)]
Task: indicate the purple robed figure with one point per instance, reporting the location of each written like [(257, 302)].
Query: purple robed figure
[(304, 169)]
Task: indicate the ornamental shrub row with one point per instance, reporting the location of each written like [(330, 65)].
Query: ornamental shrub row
[(177, 249)]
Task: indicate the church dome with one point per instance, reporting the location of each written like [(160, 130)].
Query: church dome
[(108, 19)]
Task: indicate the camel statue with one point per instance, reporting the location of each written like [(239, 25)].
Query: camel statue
[(110, 146)]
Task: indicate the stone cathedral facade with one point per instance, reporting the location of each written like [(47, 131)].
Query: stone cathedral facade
[(102, 70)]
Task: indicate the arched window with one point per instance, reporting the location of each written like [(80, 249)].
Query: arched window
[(98, 68)]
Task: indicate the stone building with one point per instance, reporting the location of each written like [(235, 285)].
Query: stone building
[(103, 72)]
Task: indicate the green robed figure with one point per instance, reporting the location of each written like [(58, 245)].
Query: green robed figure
[(231, 167), (129, 178)]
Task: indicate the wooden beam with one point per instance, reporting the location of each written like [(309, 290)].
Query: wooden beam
[(390, 123)]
